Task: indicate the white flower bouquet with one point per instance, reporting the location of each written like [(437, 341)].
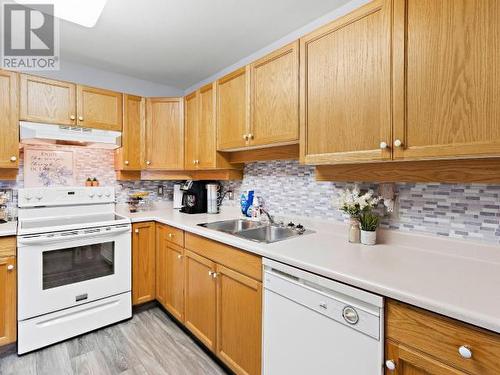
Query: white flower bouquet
[(353, 202)]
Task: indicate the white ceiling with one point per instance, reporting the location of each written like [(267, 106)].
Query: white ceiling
[(181, 42)]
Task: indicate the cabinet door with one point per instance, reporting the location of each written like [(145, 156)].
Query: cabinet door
[(161, 264), (233, 110), (175, 280), (346, 88), (410, 362), (129, 156), (9, 123), (48, 101), (207, 132), (200, 292), (143, 263), (164, 133), (446, 74), (8, 287), (100, 109), (275, 97), (239, 321), (192, 140)]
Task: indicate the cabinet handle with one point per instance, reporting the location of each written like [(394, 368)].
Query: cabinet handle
[(465, 352), (390, 365), (398, 143), (13, 158), (136, 231), (126, 162), (72, 117), (10, 267), (383, 145), (80, 118)]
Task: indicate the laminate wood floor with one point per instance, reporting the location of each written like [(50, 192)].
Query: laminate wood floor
[(149, 344)]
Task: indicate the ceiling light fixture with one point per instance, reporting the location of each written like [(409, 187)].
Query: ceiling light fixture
[(81, 12)]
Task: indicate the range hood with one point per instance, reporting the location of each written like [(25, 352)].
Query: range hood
[(35, 133)]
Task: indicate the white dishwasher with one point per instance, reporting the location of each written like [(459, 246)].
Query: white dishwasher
[(314, 325)]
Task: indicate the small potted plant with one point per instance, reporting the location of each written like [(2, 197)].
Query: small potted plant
[(369, 222), (95, 182), (88, 182)]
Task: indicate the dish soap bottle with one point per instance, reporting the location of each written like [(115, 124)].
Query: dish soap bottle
[(246, 201)]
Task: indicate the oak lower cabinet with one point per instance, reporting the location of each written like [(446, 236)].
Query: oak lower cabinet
[(345, 88), (420, 342), (224, 301), (164, 149), (9, 121), (143, 263), (200, 292), (239, 320), (129, 157), (8, 291)]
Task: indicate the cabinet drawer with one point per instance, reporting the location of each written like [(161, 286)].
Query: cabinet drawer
[(441, 338), (174, 235), (231, 257), (7, 246)]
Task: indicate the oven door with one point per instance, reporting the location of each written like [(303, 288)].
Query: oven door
[(58, 271)]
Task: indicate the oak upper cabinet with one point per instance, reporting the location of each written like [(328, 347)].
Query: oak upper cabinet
[(143, 262), (9, 122), (233, 110), (191, 118), (446, 73), (207, 131), (275, 98), (100, 109), (47, 101), (130, 155), (200, 293), (345, 88), (8, 288), (239, 321), (164, 133), (420, 342)]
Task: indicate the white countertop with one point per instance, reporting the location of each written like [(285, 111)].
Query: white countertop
[(8, 229), (456, 278)]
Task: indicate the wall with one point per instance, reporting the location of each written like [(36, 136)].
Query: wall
[(470, 211), (87, 75), (311, 26)]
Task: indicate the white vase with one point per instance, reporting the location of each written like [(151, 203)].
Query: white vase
[(368, 238)]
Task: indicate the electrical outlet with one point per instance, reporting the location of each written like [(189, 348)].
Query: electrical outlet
[(160, 190), (230, 195)]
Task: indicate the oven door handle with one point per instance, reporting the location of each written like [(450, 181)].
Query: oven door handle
[(43, 239)]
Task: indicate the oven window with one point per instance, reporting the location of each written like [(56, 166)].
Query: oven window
[(76, 264)]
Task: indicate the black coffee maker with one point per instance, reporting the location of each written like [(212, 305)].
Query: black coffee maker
[(194, 199)]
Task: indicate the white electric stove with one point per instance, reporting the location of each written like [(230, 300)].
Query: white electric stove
[(74, 264)]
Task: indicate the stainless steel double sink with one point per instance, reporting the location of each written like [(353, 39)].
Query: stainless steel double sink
[(254, 230)]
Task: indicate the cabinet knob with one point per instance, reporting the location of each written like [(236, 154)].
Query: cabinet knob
[(398, 143), (465, 352), (13, 158), (383, 145), (72, 117), (10, 267), (245, 137), (148, 162), (194, 161), (214, 275), (197, 162), (126, 162), (210, 273), (390, 365), (136, 231), (179, 256), (170, 235), (80, 118), (250, 136)]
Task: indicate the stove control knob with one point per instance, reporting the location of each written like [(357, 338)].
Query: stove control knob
[(39, 197), (28, 197), (99, 195), (108, 195), (91, 195)]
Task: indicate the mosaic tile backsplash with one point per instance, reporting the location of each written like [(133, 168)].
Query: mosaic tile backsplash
[(470, 211)]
